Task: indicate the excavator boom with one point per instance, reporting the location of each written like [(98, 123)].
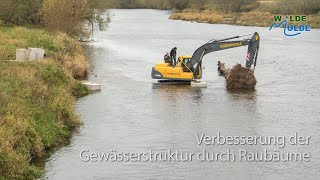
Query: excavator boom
[(211, 46)]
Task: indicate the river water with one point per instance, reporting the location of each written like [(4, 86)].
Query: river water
[(133, 113)]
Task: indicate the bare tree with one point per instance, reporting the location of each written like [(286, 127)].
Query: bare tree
[(179, 4), (20, 12), (233, 5), (200, 4)]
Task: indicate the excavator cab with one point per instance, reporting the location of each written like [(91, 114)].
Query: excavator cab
[(186, 66), (189, 68), (181, 72), (185, 63)]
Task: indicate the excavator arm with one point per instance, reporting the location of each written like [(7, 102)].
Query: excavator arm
[(217, 45)]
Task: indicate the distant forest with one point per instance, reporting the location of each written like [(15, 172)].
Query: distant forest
[(70, 15), (273, 6), (67, 16)]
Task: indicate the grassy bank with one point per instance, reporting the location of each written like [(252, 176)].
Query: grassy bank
[(253, 18), (37, 99), (59, 46)]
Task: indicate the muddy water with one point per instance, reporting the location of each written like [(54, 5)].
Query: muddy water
[(133, 113)]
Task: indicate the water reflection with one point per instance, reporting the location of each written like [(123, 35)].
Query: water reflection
[(243, 94), (179, 90)]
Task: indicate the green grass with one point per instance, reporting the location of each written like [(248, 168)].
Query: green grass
[(37, 112), (22, 37), (56, 45), (37, 100)]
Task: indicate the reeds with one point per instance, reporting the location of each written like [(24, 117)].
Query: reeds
[(253, 18)]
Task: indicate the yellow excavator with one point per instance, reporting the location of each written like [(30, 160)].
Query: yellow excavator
[(189, 68)]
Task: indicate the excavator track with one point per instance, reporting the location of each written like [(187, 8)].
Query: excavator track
[(169, 82)]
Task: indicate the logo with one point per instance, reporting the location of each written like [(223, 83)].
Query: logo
[(292, 25), (229, 45), (174, 74)]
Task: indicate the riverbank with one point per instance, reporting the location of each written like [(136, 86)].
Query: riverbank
[(253, 18), (37, 99)]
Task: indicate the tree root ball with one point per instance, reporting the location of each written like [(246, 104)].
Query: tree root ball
[(240, 78)]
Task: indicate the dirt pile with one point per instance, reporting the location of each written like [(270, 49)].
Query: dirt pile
[(240, 78)]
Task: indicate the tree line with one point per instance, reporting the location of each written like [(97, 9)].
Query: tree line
[(62, 15), (70, 15), (273, 6), (224, 5)]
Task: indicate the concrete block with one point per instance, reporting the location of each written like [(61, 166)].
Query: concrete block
[(36, 54), (92, 86), (198, 84), (29, 54), (22, 54)]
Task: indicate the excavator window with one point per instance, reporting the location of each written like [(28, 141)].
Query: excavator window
[(186, 60), (185, 65)]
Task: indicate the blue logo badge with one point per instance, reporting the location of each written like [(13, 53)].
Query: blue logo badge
[(290, 29)]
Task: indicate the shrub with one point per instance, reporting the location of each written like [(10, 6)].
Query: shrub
[(65, 15), (236, 5), (301, 7), (200, 4), (76, 65), (179, 4), (80, 90), (20, 12), (54, 75)]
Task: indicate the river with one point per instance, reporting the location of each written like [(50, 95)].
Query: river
[(133, 113)]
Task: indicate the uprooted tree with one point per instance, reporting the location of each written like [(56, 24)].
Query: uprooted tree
[(237, 77)]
